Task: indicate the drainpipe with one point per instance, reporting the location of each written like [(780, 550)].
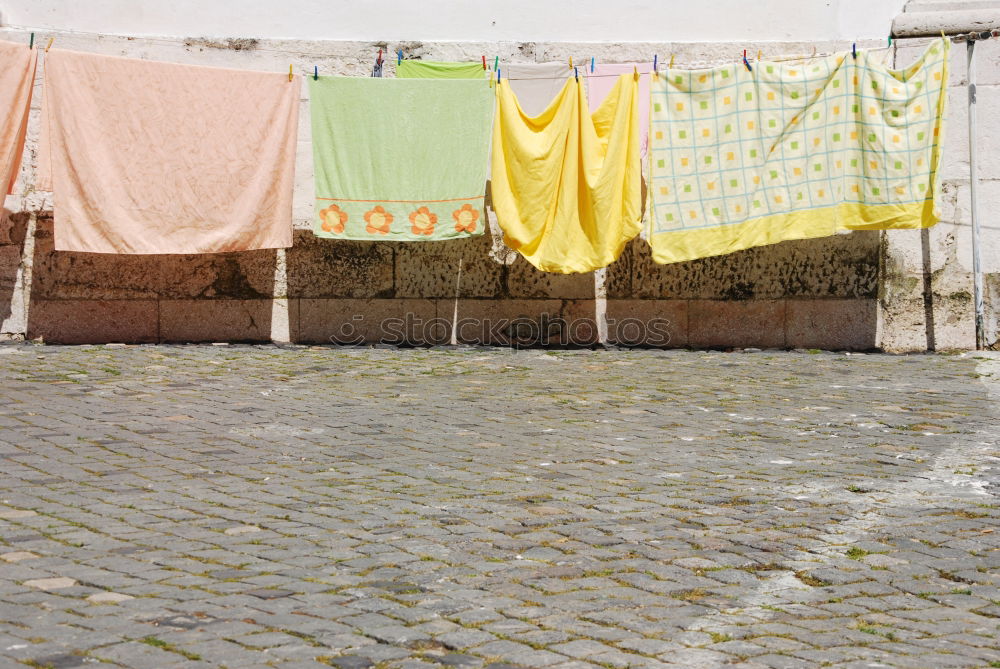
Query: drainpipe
[(977, 271), (968, 26)]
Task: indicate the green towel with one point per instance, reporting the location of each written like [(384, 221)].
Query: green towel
[(400, 160), (428, 69)]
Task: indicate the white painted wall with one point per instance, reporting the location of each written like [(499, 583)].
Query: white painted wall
[(467, 20)]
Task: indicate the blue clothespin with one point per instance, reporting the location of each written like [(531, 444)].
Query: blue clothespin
[(315, 72), (399, 57), (576, 73), (654, 62), (746, 62), (498, 74), (591, 63), (854, 50)]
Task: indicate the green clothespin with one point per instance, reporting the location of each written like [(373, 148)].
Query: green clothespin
[(31, 42)]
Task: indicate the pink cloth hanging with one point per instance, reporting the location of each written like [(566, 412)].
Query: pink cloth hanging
[(17, 78), (152, 157)]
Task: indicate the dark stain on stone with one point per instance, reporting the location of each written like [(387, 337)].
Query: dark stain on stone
[(231, 43), (232, 282)]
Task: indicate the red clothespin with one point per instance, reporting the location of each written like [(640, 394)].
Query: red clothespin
[(484, 62), (746, 62)]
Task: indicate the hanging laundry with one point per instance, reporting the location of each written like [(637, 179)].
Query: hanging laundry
[(793, 150), (602, 80), (400, 159), (17, 76), (150, 157), (427, 69), (566, 184), (536, 85)]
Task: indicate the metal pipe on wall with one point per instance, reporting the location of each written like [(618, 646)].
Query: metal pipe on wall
[(977, 271)]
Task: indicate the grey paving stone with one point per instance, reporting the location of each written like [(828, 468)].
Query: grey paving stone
[(468, 507)]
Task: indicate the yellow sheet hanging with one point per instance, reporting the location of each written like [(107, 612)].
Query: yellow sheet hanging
[(567, 184), (793, 150)]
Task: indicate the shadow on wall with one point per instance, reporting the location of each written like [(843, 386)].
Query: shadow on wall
[(13, 228), (818, 293)]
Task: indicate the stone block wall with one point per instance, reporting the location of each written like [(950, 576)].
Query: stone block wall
[(926, 293), (853, 291)]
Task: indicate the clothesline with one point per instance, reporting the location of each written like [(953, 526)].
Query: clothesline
[(729, 169)]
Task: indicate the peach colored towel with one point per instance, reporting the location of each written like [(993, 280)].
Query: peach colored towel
[(17, 76), (151, 157)]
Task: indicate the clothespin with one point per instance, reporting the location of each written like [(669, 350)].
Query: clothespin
[(746, 62), (498, 75), (591, 63), (571, 62), (31, 42), (484, 62), (854, 50), (290, 72), (315, 72), (760, 52), (890, 40), (654, 62), (576, 73), (671, 61), (399, 57), (496, 63), (49, 45), (378, 61)]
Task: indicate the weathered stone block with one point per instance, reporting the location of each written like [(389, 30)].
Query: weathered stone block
[(90, 276), (244, 275), (215, 320), (524, 322), (370, 321), (324, 268), (658, 323), (831, 324), (523, 280), (431, 269), (93, 321), (728, 324), (837, 266)]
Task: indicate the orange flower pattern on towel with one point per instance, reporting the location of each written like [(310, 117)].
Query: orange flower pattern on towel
[(333, 219), (378, 221), (422, 221), (465, 218)]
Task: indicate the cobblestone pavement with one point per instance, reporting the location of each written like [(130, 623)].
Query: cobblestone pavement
[(249, 506)]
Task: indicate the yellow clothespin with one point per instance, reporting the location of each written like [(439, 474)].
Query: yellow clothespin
[(49, 45), (759, 52), (571, 62), (289, 72), (671, 61)]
